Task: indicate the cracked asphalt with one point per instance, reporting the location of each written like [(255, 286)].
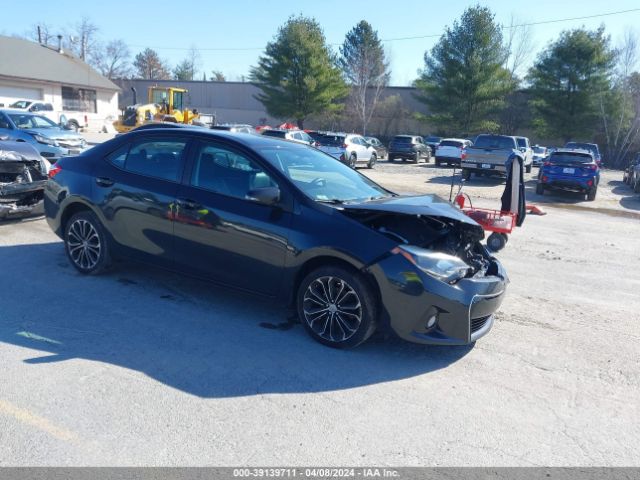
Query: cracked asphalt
[(142, 367)]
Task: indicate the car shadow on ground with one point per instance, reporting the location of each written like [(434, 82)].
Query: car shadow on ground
[(630, 200), (187, 334), (551, 196)]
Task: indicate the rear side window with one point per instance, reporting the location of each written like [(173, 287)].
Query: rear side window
[(159, 158)]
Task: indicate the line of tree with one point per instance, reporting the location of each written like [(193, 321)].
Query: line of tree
[(579, 87)]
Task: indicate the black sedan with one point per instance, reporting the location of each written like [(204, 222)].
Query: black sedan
[(284, 221)]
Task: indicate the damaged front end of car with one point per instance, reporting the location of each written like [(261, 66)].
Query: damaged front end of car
[(23, 175), (439, 285)]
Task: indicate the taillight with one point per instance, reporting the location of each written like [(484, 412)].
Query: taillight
[(463, 154), (544, 179), (593, 167), (54, 170), (546, 164)]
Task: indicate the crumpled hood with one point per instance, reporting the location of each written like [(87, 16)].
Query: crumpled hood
[(428, 205)]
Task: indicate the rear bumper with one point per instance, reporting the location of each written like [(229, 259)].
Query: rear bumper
[(403, 153), (493, 168), (446, 159), (568, 183), (464, 311)]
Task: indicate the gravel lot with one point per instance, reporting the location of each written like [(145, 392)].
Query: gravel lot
[(141, 367)]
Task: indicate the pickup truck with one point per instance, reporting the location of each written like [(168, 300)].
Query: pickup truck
[(488, 154)]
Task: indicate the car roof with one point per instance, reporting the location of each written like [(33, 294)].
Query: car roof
[(581, 151), (16, 110), (245, 139), (455, 140)]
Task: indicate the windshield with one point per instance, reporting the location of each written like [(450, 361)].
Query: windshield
[(494, 141), (451, 143), (570, 158), (522, 142), (321, 177), (539, 149), (26, 121), (20, 104), (583, 146), (332, 140)]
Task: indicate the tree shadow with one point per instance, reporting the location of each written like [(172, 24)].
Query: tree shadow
[(190, 335)]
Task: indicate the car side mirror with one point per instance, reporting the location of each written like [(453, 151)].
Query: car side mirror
[(265, 195)]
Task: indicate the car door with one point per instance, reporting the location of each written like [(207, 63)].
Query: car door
[(221, 233), (135, 189)]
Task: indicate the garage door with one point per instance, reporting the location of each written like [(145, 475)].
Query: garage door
[(9, 94)]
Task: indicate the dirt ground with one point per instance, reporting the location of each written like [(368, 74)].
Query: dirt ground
[(142, 367)]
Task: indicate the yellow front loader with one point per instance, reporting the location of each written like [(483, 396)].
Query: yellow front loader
[(165, 104)]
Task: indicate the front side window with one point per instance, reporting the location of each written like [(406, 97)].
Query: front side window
[(225, 171), (160, 158)]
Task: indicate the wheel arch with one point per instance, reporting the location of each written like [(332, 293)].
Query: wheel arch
[(330, 260)]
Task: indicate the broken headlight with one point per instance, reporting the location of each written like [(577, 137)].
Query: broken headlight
[(441, 266), (45, 140)]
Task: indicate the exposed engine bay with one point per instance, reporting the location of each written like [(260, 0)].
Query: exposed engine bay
[(439, 234), (23, 174)]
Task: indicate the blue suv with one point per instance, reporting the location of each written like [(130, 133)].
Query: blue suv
[(568, 169)]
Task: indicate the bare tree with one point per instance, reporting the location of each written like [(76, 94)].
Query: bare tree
[(620, 108), (218, 76), (366, 69), (519, 44), (45, 36), (113, 61), (83, 40)]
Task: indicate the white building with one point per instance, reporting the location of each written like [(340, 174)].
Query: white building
[(30, 71)]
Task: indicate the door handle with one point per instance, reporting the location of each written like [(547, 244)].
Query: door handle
[(188, 204), (104, 181)]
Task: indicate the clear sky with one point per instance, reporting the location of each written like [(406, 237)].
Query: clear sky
[(172, 27)]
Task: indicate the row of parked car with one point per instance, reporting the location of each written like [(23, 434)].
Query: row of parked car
[(631, 174)]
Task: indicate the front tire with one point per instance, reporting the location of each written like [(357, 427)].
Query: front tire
[(496, 241), (86, 243), (528, 168), (372, 161), (353, 160), (337, 307), (416, 159), (591, 194)]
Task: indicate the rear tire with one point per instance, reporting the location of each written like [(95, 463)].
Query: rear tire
[(438, 162), (528, 168), (353, 160), (337, 307), (466, 174), (417, 158), (86, 243), (591, 194), (540, 189)]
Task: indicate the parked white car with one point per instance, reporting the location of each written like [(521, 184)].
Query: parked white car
[(450, 151), (292, 135), (70, 120), (350, 149), (525, 147)]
